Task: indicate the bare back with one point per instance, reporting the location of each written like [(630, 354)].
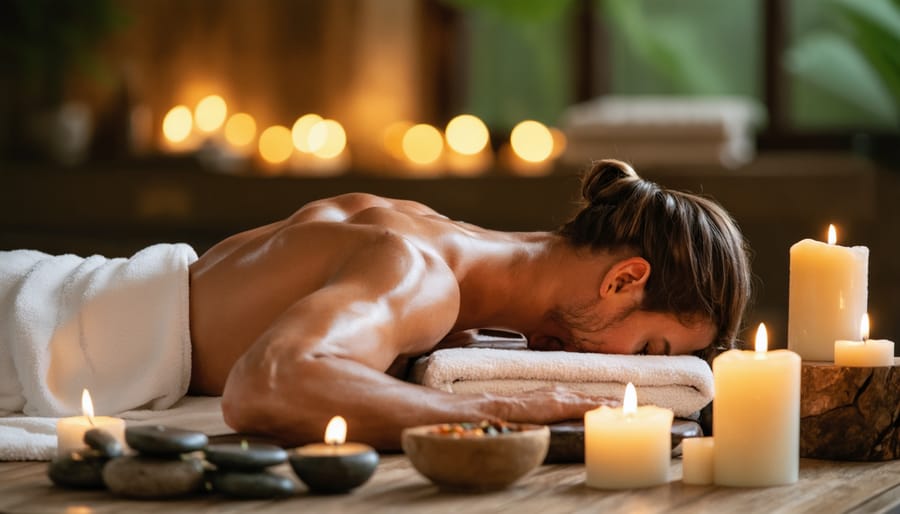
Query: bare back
[(377, 250)]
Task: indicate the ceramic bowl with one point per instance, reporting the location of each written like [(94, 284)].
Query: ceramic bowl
[(476, 463)]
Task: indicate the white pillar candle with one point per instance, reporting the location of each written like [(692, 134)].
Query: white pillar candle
[(756, 416), (697, 460), (627, 447), (828, 294), (70, 431), (866, 353)]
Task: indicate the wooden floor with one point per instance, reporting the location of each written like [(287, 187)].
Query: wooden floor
[(824, 487)]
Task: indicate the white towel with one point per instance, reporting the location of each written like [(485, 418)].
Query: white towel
[(34, 438), (118, 327), (683, 383)]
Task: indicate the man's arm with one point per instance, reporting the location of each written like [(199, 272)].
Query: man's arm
[(326, 355)]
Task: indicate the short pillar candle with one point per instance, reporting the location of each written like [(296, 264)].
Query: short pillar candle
[(865, 353), (697, 460), (756, 416), (627, 447)]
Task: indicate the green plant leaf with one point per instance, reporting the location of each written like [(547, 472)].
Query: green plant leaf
[(830, 63)]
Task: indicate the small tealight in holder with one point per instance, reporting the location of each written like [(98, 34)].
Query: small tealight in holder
[(334, 466)]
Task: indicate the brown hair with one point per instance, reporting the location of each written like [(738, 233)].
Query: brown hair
[(698, 257)]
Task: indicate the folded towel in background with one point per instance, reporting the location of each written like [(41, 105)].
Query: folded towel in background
[(683, 383), (118, 327), (34, 438)]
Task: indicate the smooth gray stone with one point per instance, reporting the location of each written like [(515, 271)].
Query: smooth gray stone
[(162, 440), (334, 474), (255, 484), (103, 442), (149, 477), (78, 470), (567, 440), (249, 457)]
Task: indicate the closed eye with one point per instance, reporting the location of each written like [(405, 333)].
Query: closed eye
[(645, 350)]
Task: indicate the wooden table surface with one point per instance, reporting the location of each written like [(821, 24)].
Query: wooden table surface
[(824, 487)]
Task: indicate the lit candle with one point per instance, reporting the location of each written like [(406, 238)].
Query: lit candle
[(756, 416), (335, 466), (828, 294), (865, 353), (70, 431), (627, 447), (697, 460)]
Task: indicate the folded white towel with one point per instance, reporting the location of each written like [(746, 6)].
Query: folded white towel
[(34, 438), (681, 383), (118, 327)]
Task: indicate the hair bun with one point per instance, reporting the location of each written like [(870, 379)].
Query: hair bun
[(605, 181)]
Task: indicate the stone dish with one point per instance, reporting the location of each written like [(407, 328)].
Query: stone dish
[(476, 463)]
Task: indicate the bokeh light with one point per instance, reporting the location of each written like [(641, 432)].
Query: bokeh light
[(240, 129), (467, 134), (300, 131), (327, 139), (393, 138), (177, 124), (531, 141), (423, 144), (275, 144), (210, 113), (559, 142)]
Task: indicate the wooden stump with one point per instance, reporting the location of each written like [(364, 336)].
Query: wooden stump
[(849, 413)]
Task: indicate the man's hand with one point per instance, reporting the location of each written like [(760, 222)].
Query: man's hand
[(549, 405)]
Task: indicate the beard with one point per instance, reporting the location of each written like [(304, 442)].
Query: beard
[(581, 321)]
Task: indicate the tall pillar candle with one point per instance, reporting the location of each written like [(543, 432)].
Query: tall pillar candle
[(756, 416), (828, 295)]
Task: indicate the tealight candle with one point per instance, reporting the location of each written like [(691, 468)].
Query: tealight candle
[(756, 416), (627, 447), (335, 466), (828, 294), (866, 353), (697, 460), (70, 431)]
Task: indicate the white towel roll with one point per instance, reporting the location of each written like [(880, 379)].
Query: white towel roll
[(118, 327)]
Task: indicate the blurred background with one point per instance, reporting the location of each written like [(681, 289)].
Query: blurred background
[(129, 122)]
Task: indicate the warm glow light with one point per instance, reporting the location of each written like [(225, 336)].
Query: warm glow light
[(327, 139), (336, 431), (423, 144), (393, 138), (177, 124), (629, 403), (531, 141), (210, 113), (275, 144), (762, 339), (240, 129), (300, 131), (87, 406), (467, 134), (864, 326), (559, 142), (832, 235)]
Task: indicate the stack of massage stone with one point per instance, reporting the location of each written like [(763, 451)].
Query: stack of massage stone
[(163, 466), (83, 469), (241, 470)]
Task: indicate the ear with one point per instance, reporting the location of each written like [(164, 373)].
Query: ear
[(628, 276)]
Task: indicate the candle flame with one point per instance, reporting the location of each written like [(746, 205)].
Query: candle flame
[(87, 406), (832, 235), (762, 339), (629, 403), (864, 326), (336, 431)]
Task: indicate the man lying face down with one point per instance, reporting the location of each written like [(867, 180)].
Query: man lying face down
[(300, 320)]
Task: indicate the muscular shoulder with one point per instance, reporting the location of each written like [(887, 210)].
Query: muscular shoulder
[(342, 207)]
